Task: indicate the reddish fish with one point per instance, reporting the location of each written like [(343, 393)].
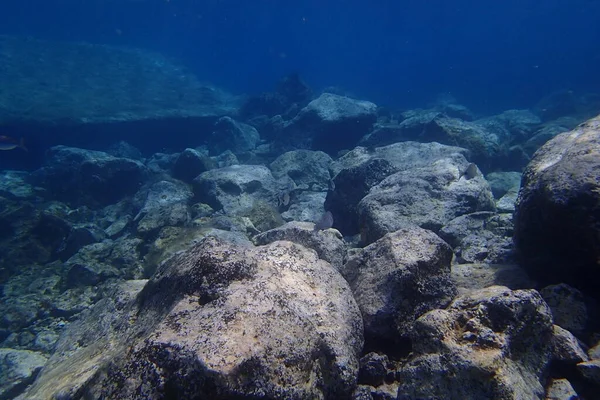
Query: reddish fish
[(8, 143)]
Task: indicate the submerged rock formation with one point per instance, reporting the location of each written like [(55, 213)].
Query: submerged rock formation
[(557, 216), (219, 321)]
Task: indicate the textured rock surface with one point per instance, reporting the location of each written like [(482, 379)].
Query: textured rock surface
[(429, 197), (327, 243), (308, 169), (18, 368), (568, 306), (470, 277), (359, 170), (166, 205), (234, 136), (190, 163), (330, 123), (492, 344), (86, 177), (557, 216), (398, 278), (218, 321), (481, 237), (237, 188)]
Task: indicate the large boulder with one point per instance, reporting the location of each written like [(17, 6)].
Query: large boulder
[(557, 216), (307, 169), (219, 321), (234, 136), (86, 177), (429, 197), (166, 204), (356, 172), (237, 188), (330, 123), (491, 344), (395, 280)]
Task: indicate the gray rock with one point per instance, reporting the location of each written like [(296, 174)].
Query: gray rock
[(560, 389), (515, 125), (434, 126), (232, 135), (590, 370), (566, 348), (429, 197), (470, 277), (503, 182), (190, 163), (359, 170), (166, 205), (373, 369), (327, 243), (18, 369), (481, 237), (236, 189), (403, 156), (118, 227), (506, 204), (305, 206), (305, 168), (98, 262), (86, 177), (397, 279), (492, 344), (568, 306), (218, 321), (14, 185), (329, 123), (557, 224)]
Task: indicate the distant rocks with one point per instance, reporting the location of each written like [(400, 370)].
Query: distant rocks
[(95, 178), (557, 217), (329, 123), (91, 83)]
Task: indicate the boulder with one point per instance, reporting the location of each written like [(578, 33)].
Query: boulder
[(86, 177), (494, 343), (472, 277), (307, 169), (429, 197), (481, 237), (237, 188), (327, 243), (395, 280), (18, 369), (557, 215), (232, 135), (356, 172), (218, 321), (329, 123), (190, 163), (167, 204)]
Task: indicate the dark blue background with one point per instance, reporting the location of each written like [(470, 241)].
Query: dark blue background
[(491, 55)]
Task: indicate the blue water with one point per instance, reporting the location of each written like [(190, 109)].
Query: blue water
[(490, 55)]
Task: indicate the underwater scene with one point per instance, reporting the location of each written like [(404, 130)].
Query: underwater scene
[(334, 199)]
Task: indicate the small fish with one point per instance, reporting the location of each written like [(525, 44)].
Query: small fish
[(470, 172), (8, 143), (284, 199), (325, 222)]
